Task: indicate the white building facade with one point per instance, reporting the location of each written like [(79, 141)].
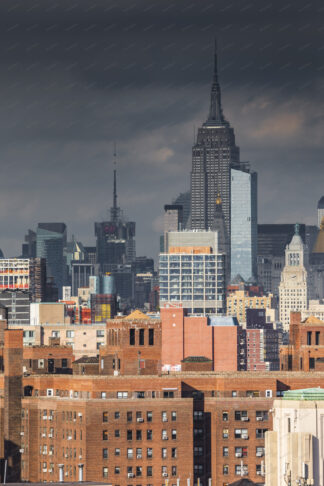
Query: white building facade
[(293, 288)]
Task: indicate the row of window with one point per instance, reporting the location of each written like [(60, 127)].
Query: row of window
[(244, 434), (242, 470), (139, 434), (137, 471), (139, 416), (139, 453), (70, 334), (243, 451), (244, 417), (141, 337)]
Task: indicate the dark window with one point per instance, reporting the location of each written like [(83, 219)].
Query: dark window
[(141, 337), (105, 416), (64, 363), (151, 337), (317, 337), (129, 435), (105, 453), (149, 471), (289, 362), (138, 435), (168, 394), (132, 337), (149, 434), (117, 433), (149, 416), (309, 338), (129, 416), (117, 415), (311, 363), (105, 435)]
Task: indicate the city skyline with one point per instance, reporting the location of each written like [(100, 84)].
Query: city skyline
[(73, 80)]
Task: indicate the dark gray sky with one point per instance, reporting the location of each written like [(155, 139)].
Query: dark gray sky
[(76, 75)]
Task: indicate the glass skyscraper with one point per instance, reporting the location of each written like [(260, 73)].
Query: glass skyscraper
[(244, 223)]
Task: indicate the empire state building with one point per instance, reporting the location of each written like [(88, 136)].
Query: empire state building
[(213, 156)]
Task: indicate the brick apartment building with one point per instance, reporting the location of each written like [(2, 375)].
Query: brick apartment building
[(139, 429), (305, 351)]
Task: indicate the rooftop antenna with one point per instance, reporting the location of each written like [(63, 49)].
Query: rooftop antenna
[(114, 209)]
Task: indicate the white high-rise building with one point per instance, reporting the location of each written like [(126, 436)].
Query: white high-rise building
[(293, 290)]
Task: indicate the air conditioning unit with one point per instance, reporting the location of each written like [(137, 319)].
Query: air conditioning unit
[(44, 469), (140, 419), (259, 419), (164, 438), (238, 454), (245, 473), (259, 454), (139, 456), (50, 417), (245, 436), (165, 475), (66, 455), (22, 433), (131, 475), (44, 417), (51, 436), (245, 419), (164, 420), (80, 457), (43, 435), (79, 414), (50, 453), (21, 451), (69, 438)]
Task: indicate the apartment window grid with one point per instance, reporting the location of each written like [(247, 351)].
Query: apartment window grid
[(195, 280)]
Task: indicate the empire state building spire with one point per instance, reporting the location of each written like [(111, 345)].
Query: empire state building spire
[(215, 117)]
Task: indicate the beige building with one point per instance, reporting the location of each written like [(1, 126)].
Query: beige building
[(294, 453), (315, 308), (293, 290), (240, 300), (48, 312), (85, 339)]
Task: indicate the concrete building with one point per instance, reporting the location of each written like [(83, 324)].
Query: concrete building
[(293, 288), (320, 211), (315, 309), (192, 271), (294, 454)]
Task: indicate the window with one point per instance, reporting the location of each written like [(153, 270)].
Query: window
[(138, 434), (311, 363), (241, 415), (117, 470), (105, 435), (117, 452), (164, 471), (259, 451), (252, 393), (117, 415), (129, 453), (41, 363), (225, 433), (117, 433), (173, 416), (105, 472), (129, 416), (164, 417), (140, 394), (198, 451), (49, 392), (225, 451), (259, 433), (174, 452), (173, 434), (103, 395), (100, 333), (70, 334), (164, 434), (225, 469), (138, 470), (138, 453), (168, 394), (268, 393), (55, 334), (317, 338), (164, 453), (129, 435), (234, 393), (105, 453), (198, 415), (309, 338), (149, 435), (241, 451), (149, 452), (174, 470), (105, 416), (149, 471), (225, 416), (261, 415), (151, 337), (132, 337), (141, 337), (149, 416), (122, 394), (241, 434)]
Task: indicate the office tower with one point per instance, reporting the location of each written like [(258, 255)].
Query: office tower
[(50, 244), (320, 211), (29, 247), (81, 273), (115, 238), (272, 241), (244, 223), (91, 254), (213, 156), (293, 288), (173, 218), (192, 272), (184, 200)]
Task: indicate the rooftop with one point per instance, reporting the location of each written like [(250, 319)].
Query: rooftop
[(304, 394)]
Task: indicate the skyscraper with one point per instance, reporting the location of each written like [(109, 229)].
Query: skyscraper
[(50, 244), (293, 290), (217, 171), (213, 156)]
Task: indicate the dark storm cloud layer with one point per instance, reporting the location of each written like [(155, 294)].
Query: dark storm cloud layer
[(77, 75)]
